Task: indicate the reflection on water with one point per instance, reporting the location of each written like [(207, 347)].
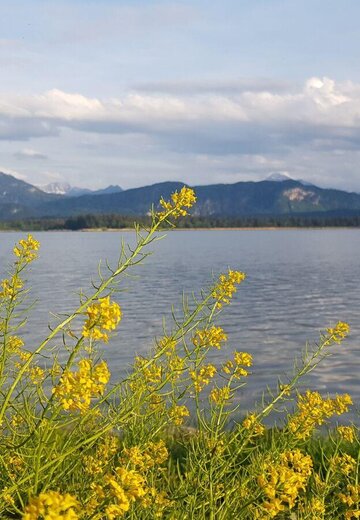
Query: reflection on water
[(299, 281)]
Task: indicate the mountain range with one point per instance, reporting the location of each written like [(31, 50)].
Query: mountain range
[(280, 196)]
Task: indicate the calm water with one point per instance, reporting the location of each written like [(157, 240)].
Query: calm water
[(299, 281)]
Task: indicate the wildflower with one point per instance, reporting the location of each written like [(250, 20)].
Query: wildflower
[(353, 496), (313, 410), (153, 453), (177, 414), (102, 316), (11, 287), (282, 481), (225, 287), (51, 505), (203, 376), (344, 463), (76, 389), (235, 366), (14, 343), (220, 395), (176, 206), (150, 371), (212, 337), (158, 500), (36, 374), (252, 424), (347, 433), (27, 249), (339, 332)]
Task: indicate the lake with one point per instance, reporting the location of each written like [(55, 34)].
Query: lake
[(298, 282)]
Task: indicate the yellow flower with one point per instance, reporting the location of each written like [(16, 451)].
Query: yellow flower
[(212, 337), (177, 414), (344, 463), (235, 367), (225, 287), (51, 505), (153, 453), (202, 377), (76, 389), (339, 332), (14, 343), (176, 206), (282, 481), (252, 424), (313, 410), (102, 316), (27, 249), (220, 395), (37, 375), (10, 288), (347, 433)]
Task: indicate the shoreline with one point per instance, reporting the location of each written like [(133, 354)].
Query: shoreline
[(128, 230)]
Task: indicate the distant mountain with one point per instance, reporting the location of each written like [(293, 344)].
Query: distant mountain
[(268, 197), (64, 188), (19, 198), (279, 177)]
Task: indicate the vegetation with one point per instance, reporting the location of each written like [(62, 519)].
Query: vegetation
[(75, 446), (115, 221)]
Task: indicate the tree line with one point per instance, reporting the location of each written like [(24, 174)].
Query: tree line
[(115, 221)]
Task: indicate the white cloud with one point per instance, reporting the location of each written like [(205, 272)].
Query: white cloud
[(29, 153), (319, 102), (311, 131)]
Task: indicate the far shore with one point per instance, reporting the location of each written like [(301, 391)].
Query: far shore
[(128, 230)]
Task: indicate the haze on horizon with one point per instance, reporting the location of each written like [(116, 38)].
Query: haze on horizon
[(99, 92)]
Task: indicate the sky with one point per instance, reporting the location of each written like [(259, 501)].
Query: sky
[(131, 92)]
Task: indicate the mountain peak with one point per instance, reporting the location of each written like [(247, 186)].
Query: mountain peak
[(279, 177)]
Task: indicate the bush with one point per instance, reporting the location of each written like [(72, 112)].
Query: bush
[(74, 446)]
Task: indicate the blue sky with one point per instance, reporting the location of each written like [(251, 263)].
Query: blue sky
[(135, 92)]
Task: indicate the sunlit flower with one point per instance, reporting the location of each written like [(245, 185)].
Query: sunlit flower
[(103, 315), (76, 389), (51, 506), (176, 207), (26, 250), (226, 286)]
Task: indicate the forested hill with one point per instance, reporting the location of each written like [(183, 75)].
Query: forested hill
[(265, 198)]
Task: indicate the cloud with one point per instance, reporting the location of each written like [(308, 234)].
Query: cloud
[(251, 120), (29, 153)]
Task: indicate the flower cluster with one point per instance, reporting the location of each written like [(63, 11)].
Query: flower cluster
[(11, 287), (211, 337), (236, 366), (151, 372), (282, 481), (339, 332), (177, 413), (347, 433), (313, 410), (220, 395), (253, 425), (76, 389), (143, 459), (103, 315), (104, 453), (124, 487), (26, 249), (176, 207), (344, 464), (52, 505), (226, 286), (202, 377), (352, 500)]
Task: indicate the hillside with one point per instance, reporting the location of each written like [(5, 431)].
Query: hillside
[(19, 199)]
